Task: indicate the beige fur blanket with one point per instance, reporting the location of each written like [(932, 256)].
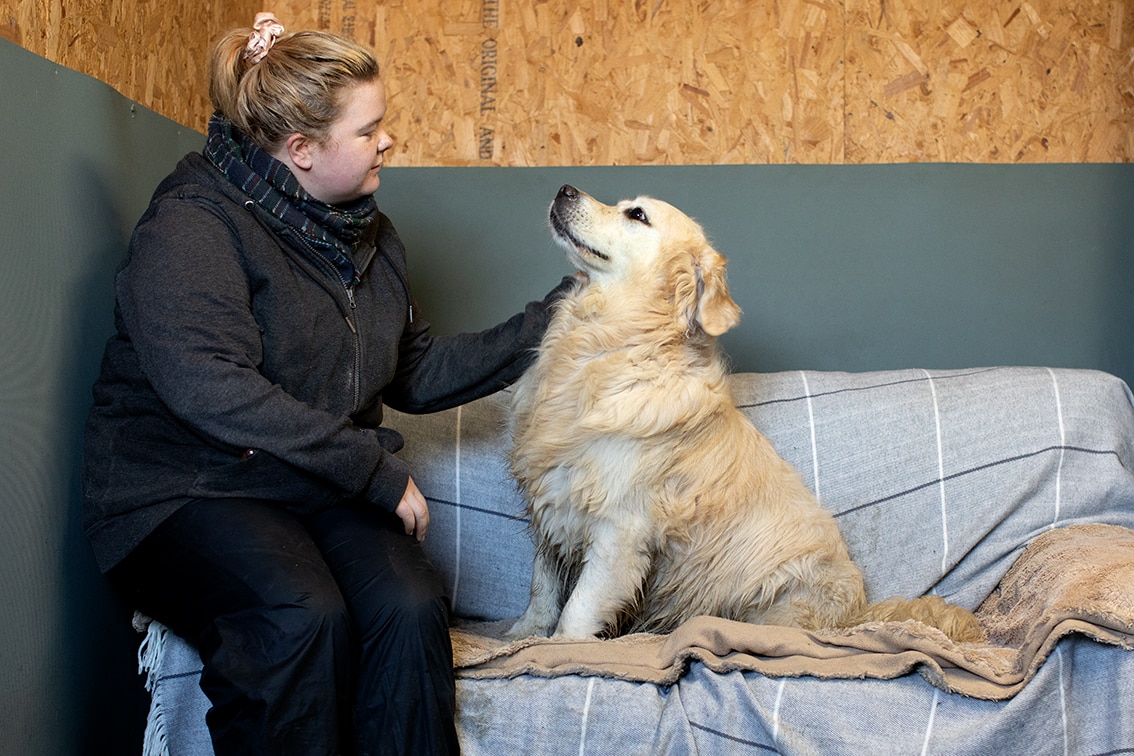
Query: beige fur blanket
[(1075, 579)]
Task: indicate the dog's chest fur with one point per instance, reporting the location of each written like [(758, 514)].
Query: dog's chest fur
[(589, 431)]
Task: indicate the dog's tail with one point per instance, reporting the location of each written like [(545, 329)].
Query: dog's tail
[(956, 622)]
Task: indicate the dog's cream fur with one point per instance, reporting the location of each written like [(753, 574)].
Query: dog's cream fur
[(652, 497)]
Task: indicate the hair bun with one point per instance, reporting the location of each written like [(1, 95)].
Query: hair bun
[(265, 29)]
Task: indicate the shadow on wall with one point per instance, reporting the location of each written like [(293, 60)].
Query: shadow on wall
[(80, 163), (99, 640)]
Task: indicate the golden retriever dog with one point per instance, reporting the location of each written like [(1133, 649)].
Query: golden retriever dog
[(652, 497)]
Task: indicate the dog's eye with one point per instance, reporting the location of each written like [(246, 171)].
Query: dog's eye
[(638, 214)]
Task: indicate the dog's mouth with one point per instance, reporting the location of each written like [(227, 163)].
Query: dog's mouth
[(562, 230)]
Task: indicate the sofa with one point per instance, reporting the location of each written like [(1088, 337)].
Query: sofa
[(1006, 490)]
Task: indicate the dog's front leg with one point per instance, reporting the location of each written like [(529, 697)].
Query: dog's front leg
[(543, 602), (613, 572)]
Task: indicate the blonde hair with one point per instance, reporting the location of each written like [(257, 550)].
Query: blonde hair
[(296, 87)]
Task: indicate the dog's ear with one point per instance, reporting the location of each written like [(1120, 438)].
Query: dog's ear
[(717, 311), (701, 293)]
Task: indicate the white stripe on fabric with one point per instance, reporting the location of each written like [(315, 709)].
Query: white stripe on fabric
[(1063, 702), (814, 447), (586, 714), (940, 474), (458, 508), (776, 712), (1062, 450), (929, 727)]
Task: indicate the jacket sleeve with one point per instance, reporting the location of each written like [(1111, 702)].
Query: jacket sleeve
[(184, 298), (436, 373)]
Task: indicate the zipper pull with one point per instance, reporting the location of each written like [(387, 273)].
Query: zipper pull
[(411, 313), (350, 295)]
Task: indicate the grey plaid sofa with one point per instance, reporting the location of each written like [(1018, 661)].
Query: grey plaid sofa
[(938, 481)]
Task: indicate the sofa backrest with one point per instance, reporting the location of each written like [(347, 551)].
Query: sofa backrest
[(937, 479)]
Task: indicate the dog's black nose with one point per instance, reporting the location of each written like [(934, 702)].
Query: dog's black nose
[(568, 192)]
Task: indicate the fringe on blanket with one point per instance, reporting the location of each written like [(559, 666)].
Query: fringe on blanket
[(151, 653)]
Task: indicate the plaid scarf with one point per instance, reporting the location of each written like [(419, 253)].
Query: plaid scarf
[(332, 231)]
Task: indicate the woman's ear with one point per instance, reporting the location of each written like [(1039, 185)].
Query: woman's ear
[(299, 150)]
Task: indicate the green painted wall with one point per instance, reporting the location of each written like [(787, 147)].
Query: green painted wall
[(77, 164), (836, 268), (839, 268)]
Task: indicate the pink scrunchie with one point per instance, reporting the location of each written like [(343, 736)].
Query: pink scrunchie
[(265, 29)]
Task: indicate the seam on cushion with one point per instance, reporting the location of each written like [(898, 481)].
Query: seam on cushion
[(732, 738), (470, 508), (981, 468), (870, 387)]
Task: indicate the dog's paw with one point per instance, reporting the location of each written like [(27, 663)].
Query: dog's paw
[(527, 626), (579, 628)]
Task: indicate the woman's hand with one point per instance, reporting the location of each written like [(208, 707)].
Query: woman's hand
[(413, 511)]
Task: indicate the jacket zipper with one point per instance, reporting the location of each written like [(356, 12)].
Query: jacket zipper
[(356, 377), (356, 388), (327, 267)]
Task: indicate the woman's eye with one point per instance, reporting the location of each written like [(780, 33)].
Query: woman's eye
[(638, 214)]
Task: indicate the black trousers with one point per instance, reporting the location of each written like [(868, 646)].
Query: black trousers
[(320, 634)]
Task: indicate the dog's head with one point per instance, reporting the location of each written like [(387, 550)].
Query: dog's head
[(642, 241)]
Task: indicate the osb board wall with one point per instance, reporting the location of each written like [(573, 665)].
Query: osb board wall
[(1004, 82), (618, 82), (154, 52)]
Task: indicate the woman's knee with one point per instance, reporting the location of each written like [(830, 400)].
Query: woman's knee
[(384, 575), (412, 610)]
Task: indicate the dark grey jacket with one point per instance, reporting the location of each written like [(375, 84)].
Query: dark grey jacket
[(242, 366)]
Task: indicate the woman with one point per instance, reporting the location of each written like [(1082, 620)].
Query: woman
[(239, 486)]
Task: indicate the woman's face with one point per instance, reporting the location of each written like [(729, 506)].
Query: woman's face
[(345, 167)]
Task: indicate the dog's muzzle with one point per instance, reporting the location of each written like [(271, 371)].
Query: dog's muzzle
[(565, 211), (564, 206)]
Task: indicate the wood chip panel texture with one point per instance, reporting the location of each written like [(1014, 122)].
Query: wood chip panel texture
[(638, 82)]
